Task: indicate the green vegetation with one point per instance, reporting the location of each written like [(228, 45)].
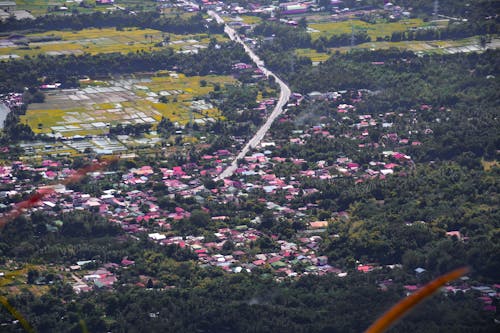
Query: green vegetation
[(312, 54), (462, 126), (247, 19), (119, 20)]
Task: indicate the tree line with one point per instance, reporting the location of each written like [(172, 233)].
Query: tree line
[(28, 72), (119, 19), (452, 31)]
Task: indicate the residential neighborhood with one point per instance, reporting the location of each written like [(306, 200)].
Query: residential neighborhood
[(262, 166)]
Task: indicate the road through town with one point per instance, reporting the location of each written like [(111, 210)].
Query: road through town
[(278, 109)]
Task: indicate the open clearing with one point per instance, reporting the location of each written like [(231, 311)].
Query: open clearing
[(249, 19), (312, 54), (91, 109), (106, 40)]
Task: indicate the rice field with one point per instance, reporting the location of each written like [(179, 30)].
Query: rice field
[(40, 7), (437, 47), (380, 29), (91, 109), (106, 40)]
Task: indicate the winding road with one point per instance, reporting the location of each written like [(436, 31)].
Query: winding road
[(278, 109)]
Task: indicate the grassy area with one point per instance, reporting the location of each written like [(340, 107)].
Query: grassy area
[(380, 29), (248, 19), (106, 40), (47, 118), (136, 103), (312, 54), (14, 281)]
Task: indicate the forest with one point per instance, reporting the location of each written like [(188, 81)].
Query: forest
[(243, 303)]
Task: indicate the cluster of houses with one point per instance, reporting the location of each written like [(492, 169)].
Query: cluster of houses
[(338, 8), (11, 100), (487, 294), (288, 259), (102, 278), (139, 211), (131, 203)]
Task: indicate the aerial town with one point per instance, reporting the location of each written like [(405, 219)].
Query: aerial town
[(163, 161)]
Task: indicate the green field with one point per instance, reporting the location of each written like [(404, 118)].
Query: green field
[(312, 54), (106, 40), (380, 29)]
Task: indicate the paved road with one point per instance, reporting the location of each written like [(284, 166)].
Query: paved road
[(4, 111), (278, 109)]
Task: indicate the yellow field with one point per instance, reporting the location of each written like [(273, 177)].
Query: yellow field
[(189, 87), (47, 118), (373, 30), (105, 40)]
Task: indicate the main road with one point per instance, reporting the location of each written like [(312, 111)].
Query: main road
[(278, 109)]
